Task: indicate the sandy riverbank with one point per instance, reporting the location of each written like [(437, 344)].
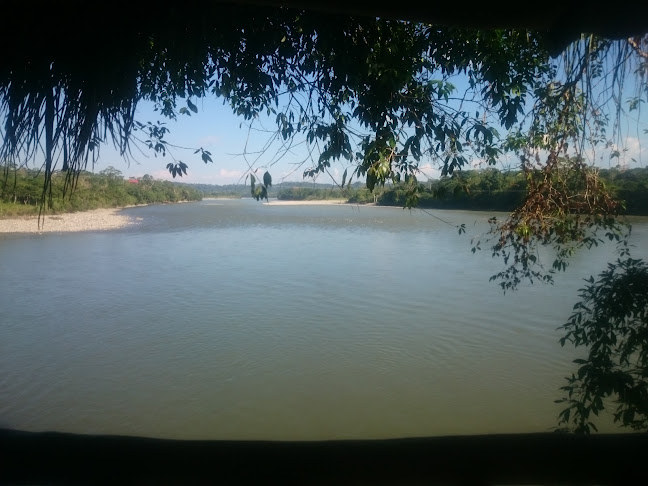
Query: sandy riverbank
[(95, 220), (323, 202)]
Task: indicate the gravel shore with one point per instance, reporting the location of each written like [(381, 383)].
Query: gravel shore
[(322, 202), (95, 220)]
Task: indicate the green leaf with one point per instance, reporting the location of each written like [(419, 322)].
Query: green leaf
[(191, 106), (267, 179)]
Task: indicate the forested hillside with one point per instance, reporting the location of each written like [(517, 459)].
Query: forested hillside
[(491, 189), (21, 190)]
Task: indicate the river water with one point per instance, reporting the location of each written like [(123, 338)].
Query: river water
[(237, 320)]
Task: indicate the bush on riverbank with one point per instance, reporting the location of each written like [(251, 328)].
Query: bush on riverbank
[(357, 194), (20, 192), (493, 190), (310, 194)]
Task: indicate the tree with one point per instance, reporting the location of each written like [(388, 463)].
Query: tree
[(111, 173), (612, 321), (147, 180), (375, 94)]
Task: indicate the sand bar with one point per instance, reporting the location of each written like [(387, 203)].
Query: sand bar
[(322, 202), (95, 220)]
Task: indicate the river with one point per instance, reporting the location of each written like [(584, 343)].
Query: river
[(237, 320)]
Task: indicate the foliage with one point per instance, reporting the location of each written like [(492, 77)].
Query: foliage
[(565, 208), (487, 190), (494, 190), (611, 320), (311, 194), (259, 190), (21, 193), (362, 195)]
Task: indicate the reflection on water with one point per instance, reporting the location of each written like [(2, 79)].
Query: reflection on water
[(231, 319)]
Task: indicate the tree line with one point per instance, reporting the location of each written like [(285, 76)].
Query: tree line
[(21, 191), (487, 189), (495, 190)]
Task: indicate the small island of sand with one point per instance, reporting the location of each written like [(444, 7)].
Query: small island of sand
[(317, 202)]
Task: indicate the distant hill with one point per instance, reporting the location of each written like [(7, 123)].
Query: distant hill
[(243, 190)]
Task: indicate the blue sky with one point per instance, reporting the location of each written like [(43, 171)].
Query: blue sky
[(216, 129)]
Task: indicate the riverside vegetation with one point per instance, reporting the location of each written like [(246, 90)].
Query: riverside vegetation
[(21, 191), (491, 189), (488, 189)]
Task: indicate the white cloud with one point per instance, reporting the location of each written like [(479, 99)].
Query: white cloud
[(207, 175), (429, 171), (633, 152), (162, 174), (634, 149), (230, 174)]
